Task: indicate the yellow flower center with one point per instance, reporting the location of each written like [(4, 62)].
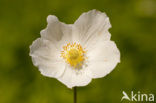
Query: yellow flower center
[(73, 54)]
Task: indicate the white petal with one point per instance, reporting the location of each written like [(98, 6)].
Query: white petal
[(103, 59), (72, 77), (56, 31), (92, 26), (46, 57)]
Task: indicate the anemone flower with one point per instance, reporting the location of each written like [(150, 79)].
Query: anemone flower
[(76, 53)]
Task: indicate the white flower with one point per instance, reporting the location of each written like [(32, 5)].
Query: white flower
[(76, 53)]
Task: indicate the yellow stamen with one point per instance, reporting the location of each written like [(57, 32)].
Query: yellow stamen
[(73, 54)]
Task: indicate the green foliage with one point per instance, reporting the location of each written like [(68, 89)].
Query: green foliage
[(133, 29)]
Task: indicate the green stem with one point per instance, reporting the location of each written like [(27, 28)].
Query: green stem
[(75, 94)]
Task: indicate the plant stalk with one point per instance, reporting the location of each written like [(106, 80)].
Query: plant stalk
[(75, 94)]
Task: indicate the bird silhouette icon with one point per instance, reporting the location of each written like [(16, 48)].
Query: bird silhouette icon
[(125, 96)]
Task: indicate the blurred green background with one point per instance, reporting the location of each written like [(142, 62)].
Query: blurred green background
[(133, 30)]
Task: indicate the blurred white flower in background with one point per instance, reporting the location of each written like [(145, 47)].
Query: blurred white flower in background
[(76, 53)]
